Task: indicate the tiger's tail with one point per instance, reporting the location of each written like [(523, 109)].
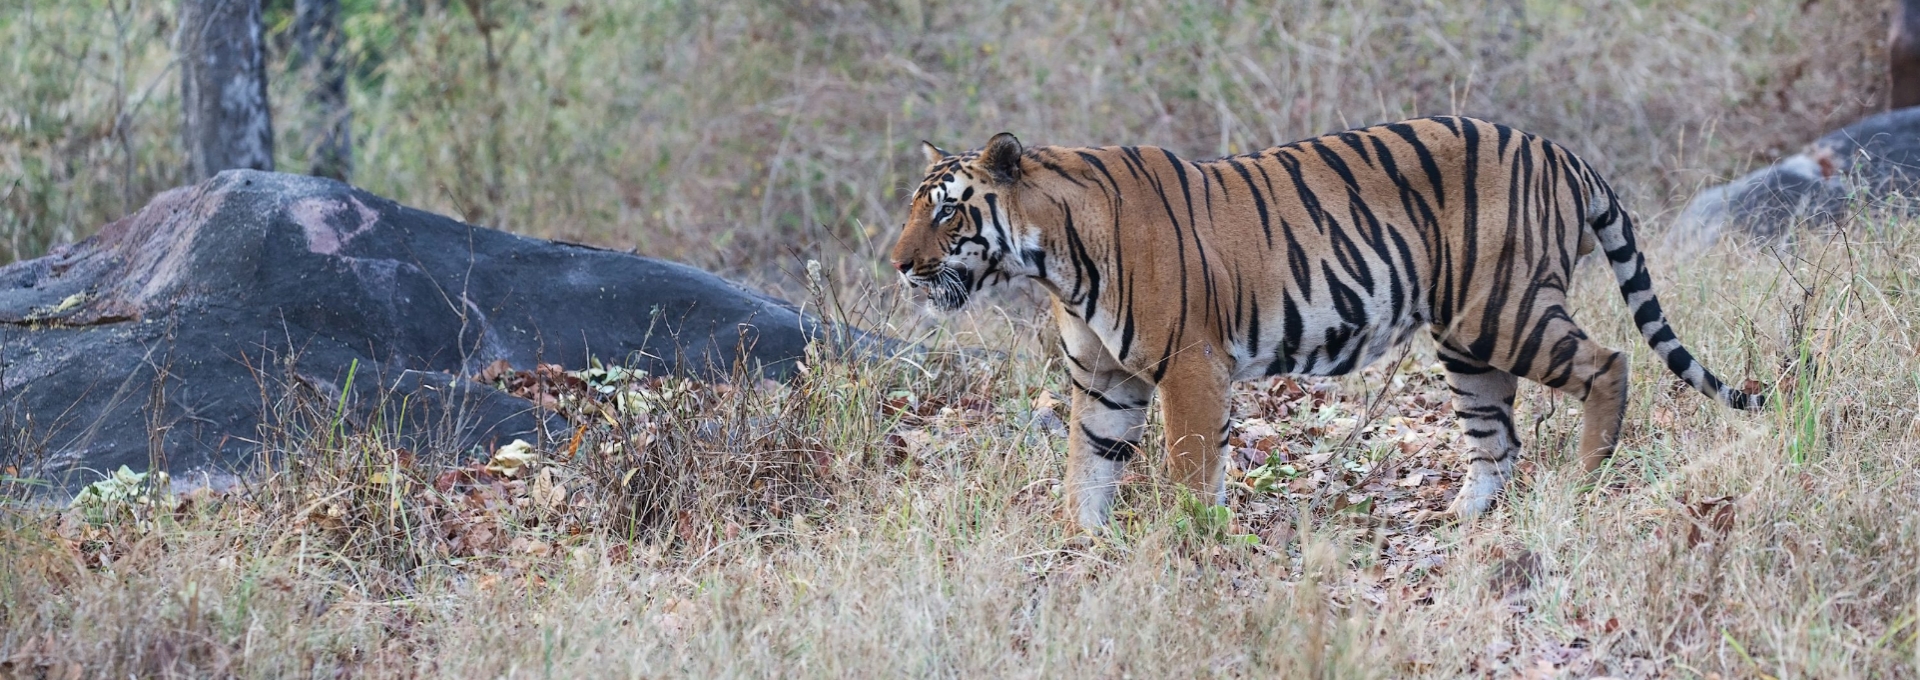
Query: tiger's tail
[(1614, 230)]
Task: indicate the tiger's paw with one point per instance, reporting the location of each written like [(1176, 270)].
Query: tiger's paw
[(1476, 497), (1468, 508), (1431, 519)]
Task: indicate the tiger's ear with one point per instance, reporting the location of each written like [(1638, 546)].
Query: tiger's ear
[(1001, 158), (934, 153)]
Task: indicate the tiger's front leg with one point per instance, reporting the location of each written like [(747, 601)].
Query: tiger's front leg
[(1194, 400), (1109, 417)]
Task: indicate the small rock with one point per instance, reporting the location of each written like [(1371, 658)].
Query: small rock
[(1861, 165)]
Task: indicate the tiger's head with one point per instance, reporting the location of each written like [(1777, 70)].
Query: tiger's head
[(960, 234)]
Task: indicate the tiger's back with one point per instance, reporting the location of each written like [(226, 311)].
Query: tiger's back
[(1290, 262), (1315, 257)]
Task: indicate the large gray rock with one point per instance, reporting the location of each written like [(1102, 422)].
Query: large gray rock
[(1870, 164), (179, 331)]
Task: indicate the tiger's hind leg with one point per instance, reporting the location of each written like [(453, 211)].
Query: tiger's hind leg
[(1573, 364), (1596, 375), (1483, 399)]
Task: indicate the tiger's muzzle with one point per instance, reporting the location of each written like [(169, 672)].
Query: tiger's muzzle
[(943, 287)]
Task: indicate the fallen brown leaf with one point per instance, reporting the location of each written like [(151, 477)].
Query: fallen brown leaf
[(1515, 574), (1710, 518)]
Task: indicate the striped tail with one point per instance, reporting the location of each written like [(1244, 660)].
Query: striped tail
[(1614, 229)]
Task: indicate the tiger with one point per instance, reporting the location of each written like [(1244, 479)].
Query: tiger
[(1313, 258)]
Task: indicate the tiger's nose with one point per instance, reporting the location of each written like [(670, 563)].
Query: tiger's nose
[(905, 267)]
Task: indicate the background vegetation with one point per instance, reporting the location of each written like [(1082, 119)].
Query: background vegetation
[(898, 518), (738, 135)]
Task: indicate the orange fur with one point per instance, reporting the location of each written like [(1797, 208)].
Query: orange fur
[(1316, 257)]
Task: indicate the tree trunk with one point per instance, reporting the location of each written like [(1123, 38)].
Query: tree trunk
[(223, 86), (1903, 56), (328, 136)]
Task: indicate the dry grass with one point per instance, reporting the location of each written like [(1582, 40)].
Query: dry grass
[(780, 531), (783, 532), (747, 136)]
